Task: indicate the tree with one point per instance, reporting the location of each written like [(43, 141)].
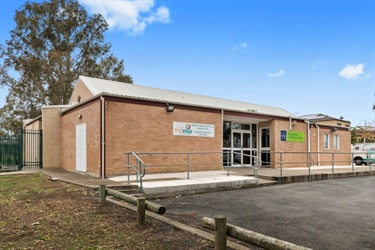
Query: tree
[(52, 44)]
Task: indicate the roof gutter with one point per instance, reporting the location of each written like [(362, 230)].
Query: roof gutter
[(178, 103), (200, 106)]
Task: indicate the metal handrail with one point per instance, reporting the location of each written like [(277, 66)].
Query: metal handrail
[(137, 168), (259, 162), (136, 156), (283, 159), (188, 164)]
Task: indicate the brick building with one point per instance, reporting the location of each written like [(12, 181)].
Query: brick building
[(106, 119), (363, 134)]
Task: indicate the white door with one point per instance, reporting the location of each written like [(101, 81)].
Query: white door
[(81, 147)]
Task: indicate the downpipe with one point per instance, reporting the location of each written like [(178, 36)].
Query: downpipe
[(102, 143), (308, 145)]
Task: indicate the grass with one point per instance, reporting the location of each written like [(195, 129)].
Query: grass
[(37, 213)]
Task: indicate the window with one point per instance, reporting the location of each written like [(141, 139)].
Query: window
[(265, 137), (236, 126), (336, 142), (326, 141), (240, 126), (254, 135), (227, 140)]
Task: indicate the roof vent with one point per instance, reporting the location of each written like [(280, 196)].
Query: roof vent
[(252, 110)]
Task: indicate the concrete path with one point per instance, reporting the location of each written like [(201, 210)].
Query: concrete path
[(304, 174), (276, 172), (172, 184)]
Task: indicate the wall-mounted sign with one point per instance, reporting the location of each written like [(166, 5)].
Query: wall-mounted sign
[(193, 129), (283, 135), (292, 136)]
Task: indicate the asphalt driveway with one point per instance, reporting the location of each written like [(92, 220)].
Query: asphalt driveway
[(331, 214)]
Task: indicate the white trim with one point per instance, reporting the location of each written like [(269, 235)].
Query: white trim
[(56, 106)]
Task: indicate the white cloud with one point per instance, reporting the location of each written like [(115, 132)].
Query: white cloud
[(279, 73), (352, 72), (241, 46), (129, 15)]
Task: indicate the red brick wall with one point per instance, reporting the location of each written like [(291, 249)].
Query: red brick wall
[(91, 116), (291, 158), (51, 136), (37, 124), (342, 156), (141, 126), (80, 90), (148, 128)]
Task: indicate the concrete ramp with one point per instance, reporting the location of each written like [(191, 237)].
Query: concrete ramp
[(174, 184)]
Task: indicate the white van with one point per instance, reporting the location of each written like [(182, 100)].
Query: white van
[(363, 153)]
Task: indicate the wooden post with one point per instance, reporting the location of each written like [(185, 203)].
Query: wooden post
[(141, 210), (102, 194), (220, 233), (253, 238), (156, 208)]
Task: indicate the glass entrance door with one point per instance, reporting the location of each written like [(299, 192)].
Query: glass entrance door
[(241, 148), (265, 146)]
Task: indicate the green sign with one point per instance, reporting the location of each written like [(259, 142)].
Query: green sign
[(294, 136)]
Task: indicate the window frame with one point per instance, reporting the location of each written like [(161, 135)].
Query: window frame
[(336, 142), (326, 141)]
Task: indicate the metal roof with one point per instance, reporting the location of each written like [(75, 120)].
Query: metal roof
[(99, 87), (320, 117), (317, 117)]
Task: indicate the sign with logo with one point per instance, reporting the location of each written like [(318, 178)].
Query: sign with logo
[(193, 129), (283, 135), (292, 136)]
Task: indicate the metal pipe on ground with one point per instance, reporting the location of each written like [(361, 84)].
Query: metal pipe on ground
[(156, 208), (254, 238)]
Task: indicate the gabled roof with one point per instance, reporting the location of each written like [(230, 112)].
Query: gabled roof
[(366, 128), (102, 87), (320, 117)]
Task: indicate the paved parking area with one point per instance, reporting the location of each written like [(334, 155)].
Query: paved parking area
[(330, 214)]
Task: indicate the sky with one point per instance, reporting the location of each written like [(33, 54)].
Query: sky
[(305, 56)]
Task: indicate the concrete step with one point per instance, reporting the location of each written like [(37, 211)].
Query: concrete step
[(131, 191), (266, 177), (126, 189), (266, 182)]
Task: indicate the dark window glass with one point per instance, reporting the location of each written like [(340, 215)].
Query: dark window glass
[(254, 135), (246, 140), (245, 126), (227, 134), (236, 126), (265, 138)]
